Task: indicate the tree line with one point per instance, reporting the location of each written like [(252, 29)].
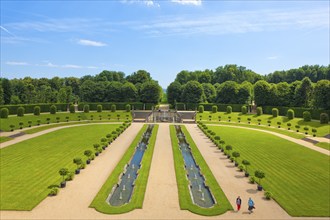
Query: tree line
[(203, 87), (107, 86)]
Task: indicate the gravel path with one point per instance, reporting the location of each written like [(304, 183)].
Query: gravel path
[(161, 198)]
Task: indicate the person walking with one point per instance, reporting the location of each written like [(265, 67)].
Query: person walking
[(238, 203), (251, 205)]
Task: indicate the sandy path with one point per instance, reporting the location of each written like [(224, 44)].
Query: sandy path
[(295, 140)]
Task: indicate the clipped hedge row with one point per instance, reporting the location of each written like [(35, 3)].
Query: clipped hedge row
[(119, 106), (29, 108), (298, 112), (208, 106)]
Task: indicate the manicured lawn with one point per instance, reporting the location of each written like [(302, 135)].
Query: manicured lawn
[(322, 129), (185, 200), (29, 167), (92, 116), (4, 139), (262, 127), (99, 202), (297, 176), (323, 145)]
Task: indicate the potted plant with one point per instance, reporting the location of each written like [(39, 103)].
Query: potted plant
[(259, 121), (88, 154), (222, 143), (279, 124), (246, 164), (314, 132), (241, 167), (236, 155), (63, 172), (289, 125), (97, 149), (78, 162), (229, 148), (260, 175), (306, 129)]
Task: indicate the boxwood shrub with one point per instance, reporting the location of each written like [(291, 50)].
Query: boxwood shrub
[(275, 112), (229, 109), (20, 111), (36, 110), (4, 113), (324, 118), (307, 116), (259, 111), (214, 109), (290, 114), (72, 109), (53, 109), (86, 108), (244, 109), (201, 109), (113, 108)]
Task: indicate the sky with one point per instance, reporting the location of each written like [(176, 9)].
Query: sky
[(163, 37)]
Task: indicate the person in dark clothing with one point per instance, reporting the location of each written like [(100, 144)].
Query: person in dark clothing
[(238, 203)]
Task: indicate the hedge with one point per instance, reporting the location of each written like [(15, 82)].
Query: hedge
[(29, 108), (20, 111), (259, 111), (201, 109), (208, 106), (4, 113), (290, 114), (298, 111), (324, 118), (119, 105)]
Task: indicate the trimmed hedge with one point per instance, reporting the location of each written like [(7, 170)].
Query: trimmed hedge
[(244, 109), (201, 109), (72, 109), (128, 108), (99, 108), (229, 109), (36, 110), (113, 108), (259, 111), (214, 109), (86, 108), (307, 116), (275, 112), (298, 111), (324, 118), (119, 105), (53, 109), (290, 114), (20, 111), (29, 108), (208, 106), (4, 113)]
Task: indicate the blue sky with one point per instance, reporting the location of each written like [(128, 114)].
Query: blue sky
[(77, 38)]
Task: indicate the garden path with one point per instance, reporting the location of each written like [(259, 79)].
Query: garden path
[(161, 198)]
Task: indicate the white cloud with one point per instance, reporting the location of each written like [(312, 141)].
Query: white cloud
[(91, 43), (238, 22), (188, 2), (71, 66), (149, 3), (272, 58), (15, 63)]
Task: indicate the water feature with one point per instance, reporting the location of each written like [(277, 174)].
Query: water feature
[(122, 192), (199, 191)]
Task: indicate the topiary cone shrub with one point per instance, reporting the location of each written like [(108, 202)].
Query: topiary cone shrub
[(200, 108), (275, 112), (20, 111), (244, 109), (86, 108), (259, 111), (99, 108), (214, 109), (229, 109), (36, 110), (113, 108), (290, 114), (53, 109), (324, 118), (4, 112), (307, 116)]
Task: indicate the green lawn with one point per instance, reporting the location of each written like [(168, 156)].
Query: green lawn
[(105, 116), (322, 129), (99, 202), (185, 200), (297, 176), (323, 145), (4, 139), (29, 167)]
